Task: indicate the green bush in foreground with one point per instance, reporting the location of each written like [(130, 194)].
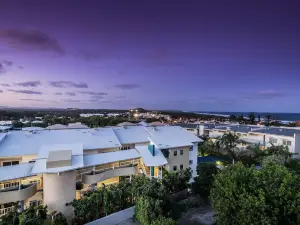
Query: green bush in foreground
[(242, 195)]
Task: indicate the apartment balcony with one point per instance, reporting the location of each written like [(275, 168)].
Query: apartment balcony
[(16, 194), (97, 176)]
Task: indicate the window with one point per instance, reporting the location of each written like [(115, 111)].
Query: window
[(175, 153), (31, 161), (285, 142), (181, 152), (10, 163), (11, 185), (191, 162), (174, 168), (273, 141), (35, 203), (191, 148), (181, 166)]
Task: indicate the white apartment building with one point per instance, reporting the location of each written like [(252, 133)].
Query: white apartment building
[(264, 136), (43, 166)]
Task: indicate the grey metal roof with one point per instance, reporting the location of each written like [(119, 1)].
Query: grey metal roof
[(16, 171), (239, 128), (278, 131), (187, 125)]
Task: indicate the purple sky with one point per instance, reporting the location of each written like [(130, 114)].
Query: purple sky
[(190, 55)]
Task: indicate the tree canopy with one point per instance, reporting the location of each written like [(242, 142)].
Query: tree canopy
[(245, 195)]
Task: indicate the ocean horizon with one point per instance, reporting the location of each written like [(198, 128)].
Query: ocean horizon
[(287, 117)]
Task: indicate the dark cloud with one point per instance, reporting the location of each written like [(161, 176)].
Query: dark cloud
[(58, 93), (31, 40), (5, 85), (88, 55), (268, 94), (103, 101), (1, 91), (127, 86), (28, 84), (32, 99), (70, 93), (29, 92), (93, 93), (67, 84), (70, 100), (5, 65)]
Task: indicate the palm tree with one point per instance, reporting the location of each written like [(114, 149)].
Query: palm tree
[(251, 118), (268, 118)]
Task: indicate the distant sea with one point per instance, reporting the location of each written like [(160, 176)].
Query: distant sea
[(285, 117)]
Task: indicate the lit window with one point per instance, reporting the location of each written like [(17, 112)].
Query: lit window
[(175, 153), (174, 168), (191, 162), (181, 152)]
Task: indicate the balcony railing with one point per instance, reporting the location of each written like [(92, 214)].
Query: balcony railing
[(4, 211), (16, 194), (97, 176)]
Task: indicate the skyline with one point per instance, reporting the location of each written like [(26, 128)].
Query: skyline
[(199, 56)]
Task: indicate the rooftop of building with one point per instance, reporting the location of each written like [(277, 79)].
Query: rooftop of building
[(171, 136), (278, 131), (17, 143), (239, 128)]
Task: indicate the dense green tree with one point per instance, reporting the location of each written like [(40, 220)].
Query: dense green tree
[(268, 119), (243, 195), (251, 118), (11, 218), (163, 221), (204, 180), (59, 219), (176, 181)]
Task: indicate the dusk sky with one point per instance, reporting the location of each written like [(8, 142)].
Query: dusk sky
[(187, 55)]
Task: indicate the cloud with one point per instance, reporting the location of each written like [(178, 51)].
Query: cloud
[(5, 85), (70, 100), (31, 40), (32, 99), (97, 97), (70, 93), (28, 92), (1, 91), (5, 65), (28, 84), (67, 84), (93, 93), (267, 94), (58, 93), (88, 55), (97, 101), (127, 86)]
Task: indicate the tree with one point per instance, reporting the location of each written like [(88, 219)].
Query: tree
[(176, 181), (59, 219), (204, 180), (163, 221), (268, 118), (243, 195), (251, 118), (11, 218)]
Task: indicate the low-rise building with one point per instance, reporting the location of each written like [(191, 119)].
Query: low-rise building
[(43, 166)]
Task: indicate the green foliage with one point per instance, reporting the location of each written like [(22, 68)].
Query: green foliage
[(59, 219), (251, 118), (242, 195), (163, 221), (273, 160), (34, 215), (176, 181), (204, 180), (11, 218)]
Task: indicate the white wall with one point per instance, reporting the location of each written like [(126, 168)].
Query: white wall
[(193, 155), (59, 190), (280, 141), (297, 144), (115, 218)]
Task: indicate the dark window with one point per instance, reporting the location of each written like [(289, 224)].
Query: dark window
[(175, 153), (10, 163), (15, 162), (174, 168), (181, 166), (191, 162), (181, 152), (191, 148)]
